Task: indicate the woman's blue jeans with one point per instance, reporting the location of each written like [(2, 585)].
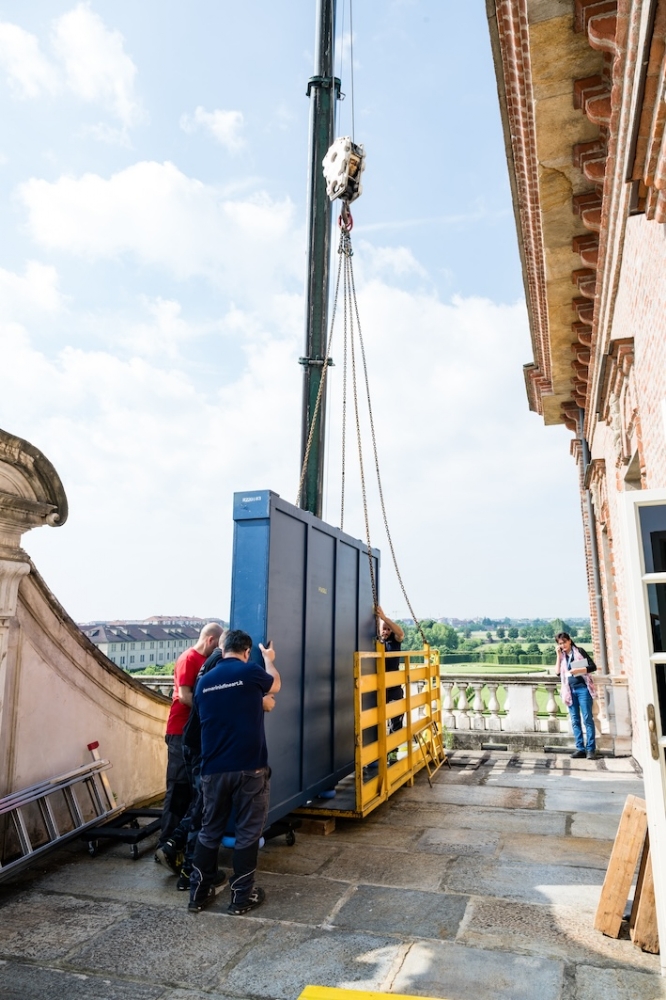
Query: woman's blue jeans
[(581, 704)]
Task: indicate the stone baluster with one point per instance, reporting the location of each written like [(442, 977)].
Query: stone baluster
[(493, 722), (448, 718), (477, 720), (462, 712), (521, 715), (552, 723), (600, 712)]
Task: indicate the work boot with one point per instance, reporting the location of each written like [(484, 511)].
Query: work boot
[(205, 880), (168, 854), (250, 902), (577, 754), (183, 883), (203, 891)]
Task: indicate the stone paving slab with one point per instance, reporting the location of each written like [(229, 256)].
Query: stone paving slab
[(43, 927), (362, 908), (377, 867), (194, 995), (113, 877), (598, 826), (499, 820), (618, 984), (622, 785), (293, 898), (445, 969), (450, 840), (169, 947), (306, 857), (560, 932), (502, 798), (412, 913), (29, 982), (582, 852), (280, 970), (545, 883), (353, 832), (585, 800)]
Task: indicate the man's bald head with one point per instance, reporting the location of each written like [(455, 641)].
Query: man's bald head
[(213, 630), (208, 638)]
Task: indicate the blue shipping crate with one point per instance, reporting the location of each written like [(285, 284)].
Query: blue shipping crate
[(305, 585)]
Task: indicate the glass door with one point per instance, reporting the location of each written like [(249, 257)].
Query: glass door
[(645, 553)]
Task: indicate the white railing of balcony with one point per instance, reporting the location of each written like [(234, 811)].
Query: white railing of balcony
[(163, 683), (472, 702)]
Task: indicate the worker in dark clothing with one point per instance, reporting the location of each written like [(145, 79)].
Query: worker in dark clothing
[(391, 635), (187, 833), (234, 770)]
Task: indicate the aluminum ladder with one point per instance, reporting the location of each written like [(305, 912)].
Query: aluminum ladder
[(44, 816)]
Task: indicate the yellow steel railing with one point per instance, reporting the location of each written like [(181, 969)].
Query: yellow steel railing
[(417, 742), (386, 757)]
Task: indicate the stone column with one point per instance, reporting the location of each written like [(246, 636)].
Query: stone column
[(31, 495)]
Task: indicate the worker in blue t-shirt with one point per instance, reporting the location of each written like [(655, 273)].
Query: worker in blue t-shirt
[(234, 770)]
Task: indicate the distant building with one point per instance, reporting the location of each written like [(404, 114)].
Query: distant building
[(153, 642)]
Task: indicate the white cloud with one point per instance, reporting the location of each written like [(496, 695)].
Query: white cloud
[(90, 62), (108, 134), (154, 454), (97, 69), (161, 217), (224, 126), (397, 261), (29, 72), (36, 291)]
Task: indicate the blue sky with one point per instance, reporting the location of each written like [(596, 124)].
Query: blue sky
[(152, 202)]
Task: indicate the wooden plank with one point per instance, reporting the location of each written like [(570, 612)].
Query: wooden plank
[(333, 993), (639, 884), (318, 826), (645, 934), (627, 849)]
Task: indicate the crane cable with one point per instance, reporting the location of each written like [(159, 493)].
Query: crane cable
[(351, 330)]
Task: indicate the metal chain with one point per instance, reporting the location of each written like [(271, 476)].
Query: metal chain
[(344, 238), (352, 323), (359, 442), (374, 449), (344, 407)]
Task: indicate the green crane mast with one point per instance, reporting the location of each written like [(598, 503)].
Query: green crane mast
[(323, 90)]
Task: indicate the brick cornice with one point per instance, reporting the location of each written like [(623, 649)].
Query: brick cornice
[(516, 96)]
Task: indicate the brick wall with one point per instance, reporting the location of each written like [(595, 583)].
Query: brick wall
[(640, 312)]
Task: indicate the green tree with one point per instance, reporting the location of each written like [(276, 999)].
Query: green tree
[(501, 633), (513, 632), (489, 636)]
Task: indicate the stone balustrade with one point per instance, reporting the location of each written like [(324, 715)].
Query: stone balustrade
[(492, 706), (478, 708), (163, 683)]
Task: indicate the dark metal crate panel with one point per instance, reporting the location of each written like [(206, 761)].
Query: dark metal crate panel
[(305, 585)]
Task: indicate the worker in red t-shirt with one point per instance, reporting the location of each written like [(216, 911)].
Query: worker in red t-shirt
[(188, 665)]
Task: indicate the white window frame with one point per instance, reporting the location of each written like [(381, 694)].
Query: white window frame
[(645, 688)]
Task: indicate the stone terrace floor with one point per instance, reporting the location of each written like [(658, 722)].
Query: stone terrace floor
[(485, 886)]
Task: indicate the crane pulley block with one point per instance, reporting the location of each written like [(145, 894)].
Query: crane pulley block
[(343, 165)]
